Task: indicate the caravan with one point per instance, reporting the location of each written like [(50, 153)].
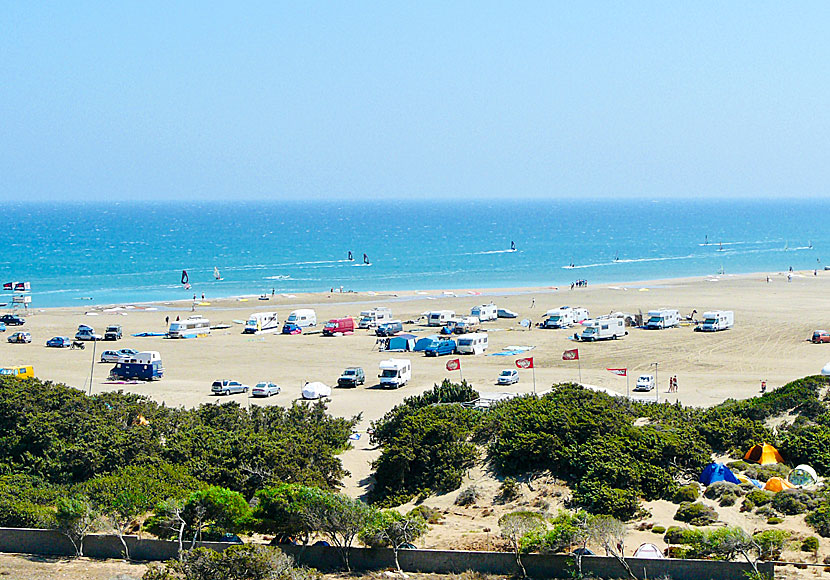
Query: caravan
[(475, 343), (660, 319), (303, 317), (373, 317), (439, 317), (394, 372), (717, 320), (261, 322), (190, 327), (485, 312), (602, 329)]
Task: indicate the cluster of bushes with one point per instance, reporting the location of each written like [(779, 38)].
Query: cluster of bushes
[(725, 543)]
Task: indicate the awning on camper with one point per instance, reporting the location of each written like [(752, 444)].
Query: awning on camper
[(402, 342)]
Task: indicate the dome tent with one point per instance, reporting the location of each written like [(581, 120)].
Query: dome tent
[(649, 551), (764, 454), (776, 484), (717, 472), (803, 476)]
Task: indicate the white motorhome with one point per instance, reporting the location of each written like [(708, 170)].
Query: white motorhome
[(439, 317), (660, 319), (475, 343), (262, 322), (394, 372), (559, 318), (485, 312), (580, 314), (717, 320), (373, 317), (303, 317), (604, 329), (189, 327)]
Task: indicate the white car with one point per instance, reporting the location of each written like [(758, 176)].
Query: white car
[(645, 383), (265, 389), (508, 377)]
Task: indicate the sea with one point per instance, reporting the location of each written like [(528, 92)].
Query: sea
[(76, 254)]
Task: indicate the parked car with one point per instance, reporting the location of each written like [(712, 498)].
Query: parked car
[(113, 332), (113, 356), (2, 327), (645, 383), (440, 348), (227, 387), (352, 377), (20, 337), (508, 377), (59, 342), (12, 320), (265, 389), (210, 535), (820, 336), (87, 333)]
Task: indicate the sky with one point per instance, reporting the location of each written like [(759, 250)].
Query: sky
[(371, 100)]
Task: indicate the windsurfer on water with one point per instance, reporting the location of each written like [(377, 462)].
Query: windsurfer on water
[(365, 259), (351, 258), (512, 246)]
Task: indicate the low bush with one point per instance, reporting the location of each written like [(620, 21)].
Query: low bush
[(430, 515), (716, 490), (687, 493), (794, 501), (819, 520), (509, 489), (727, 499), (657, 529), (467, 496), (810, 544), (774, 520), (759, 497), (696, 514)]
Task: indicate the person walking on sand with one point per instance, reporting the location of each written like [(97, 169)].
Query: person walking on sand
[(532, 302), (763, 387), (166, 321)]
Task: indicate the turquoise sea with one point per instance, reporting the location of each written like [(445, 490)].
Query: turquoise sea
[(135, 252)]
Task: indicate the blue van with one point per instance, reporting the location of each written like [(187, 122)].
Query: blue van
[(389, 328), (440, 347)]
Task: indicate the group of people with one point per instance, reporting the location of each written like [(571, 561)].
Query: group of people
[(579, 284), (673, 384)]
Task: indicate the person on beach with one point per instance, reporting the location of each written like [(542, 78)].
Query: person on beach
[(166, 321), (763, 387), (532, 302), (203, 295), (177, 318)]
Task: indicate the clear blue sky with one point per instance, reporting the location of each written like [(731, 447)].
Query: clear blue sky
[(156, 100)]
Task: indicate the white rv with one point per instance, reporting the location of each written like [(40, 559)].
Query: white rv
[(559, 318), (373, 317), (604, 329), (717, 320), (485, 312), (394, 372), (660, 319), (439, 317), (261, 322), (189, 327), (475, 343), (303, 318), (580, 314)]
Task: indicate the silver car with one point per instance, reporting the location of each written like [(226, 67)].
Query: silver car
[(226, 387), (508, 377), (265, 389)]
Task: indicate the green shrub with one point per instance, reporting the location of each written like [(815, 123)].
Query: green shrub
[(657, 529), (740, 465), (794, 501), (771, 543), (598, 498), (696, 514), (819, 520), (430, 515), (717, 489), (687, 493), (727, 499), (509, 489), (684, 536), (467, 496), (774, 520), (810, 544), (760, 497)]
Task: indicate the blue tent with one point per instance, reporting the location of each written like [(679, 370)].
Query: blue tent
[(402, 342), (424, 342), (717, 472)]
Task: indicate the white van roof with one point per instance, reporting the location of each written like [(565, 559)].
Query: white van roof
[(393, 363), (301, 311)]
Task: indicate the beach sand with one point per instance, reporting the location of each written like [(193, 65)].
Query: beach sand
[(769, 342)]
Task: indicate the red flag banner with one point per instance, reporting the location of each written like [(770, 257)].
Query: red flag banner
[(454, 365), (525, 363), (618, 372), (571, 354)]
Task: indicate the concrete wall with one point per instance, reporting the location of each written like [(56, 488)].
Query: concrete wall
[(52, 543)]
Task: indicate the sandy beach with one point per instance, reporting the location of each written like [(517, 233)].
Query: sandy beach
[(773, 321)]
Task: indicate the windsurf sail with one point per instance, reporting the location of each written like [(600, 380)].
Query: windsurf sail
[(185, 278), (216, 274)]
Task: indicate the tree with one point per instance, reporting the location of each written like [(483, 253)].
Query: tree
[(514, 526), (168, 520), (391, 528), (75, 520), (126, 506), (609, 532), (339, 518), (217, 507), (282, 510)]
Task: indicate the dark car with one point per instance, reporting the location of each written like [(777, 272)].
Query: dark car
[(12, 320), (59, 342), (113, 332), (352, 377)]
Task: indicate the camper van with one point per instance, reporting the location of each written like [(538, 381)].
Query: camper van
[(440, 347), (19, 371), (604, 329), (485, 312), (475, 343), (439, 317), (717, 320), (467, 324), (660, 319), (394, 372), (302, 318), (371, 318), (559, 318), (145, 366), (389, 328), (262, 322), (338, 325), (189, 327)]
